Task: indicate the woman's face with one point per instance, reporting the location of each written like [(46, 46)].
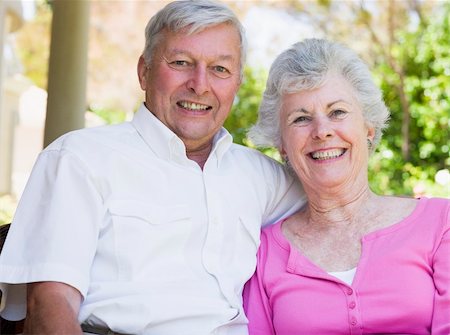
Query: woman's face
[(324, 136)]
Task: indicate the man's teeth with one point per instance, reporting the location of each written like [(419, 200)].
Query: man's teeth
[(329, 154), (193, 106)]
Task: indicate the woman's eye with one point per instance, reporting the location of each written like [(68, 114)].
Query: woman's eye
[(338, 113), (301, 119)]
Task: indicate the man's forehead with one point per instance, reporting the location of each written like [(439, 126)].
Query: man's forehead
[(175, 51), (184, 42), (193, 29)]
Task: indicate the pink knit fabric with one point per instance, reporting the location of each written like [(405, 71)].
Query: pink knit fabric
[(402, 283)]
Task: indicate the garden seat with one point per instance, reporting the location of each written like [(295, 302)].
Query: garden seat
[(8, 327)]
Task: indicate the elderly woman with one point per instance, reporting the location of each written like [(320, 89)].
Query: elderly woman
[(350, 262)]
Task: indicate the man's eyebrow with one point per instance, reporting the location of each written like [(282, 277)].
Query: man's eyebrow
[(226, 57), (176, 51)]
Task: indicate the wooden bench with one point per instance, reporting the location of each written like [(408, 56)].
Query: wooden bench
[(8, 327)]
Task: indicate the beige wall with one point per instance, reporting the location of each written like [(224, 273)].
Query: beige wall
[(10, 88)]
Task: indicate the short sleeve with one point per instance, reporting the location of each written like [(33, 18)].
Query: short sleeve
[(441, 276), (54, 233), (287, 195)]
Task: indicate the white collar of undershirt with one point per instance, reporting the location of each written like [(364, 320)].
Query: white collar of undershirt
[(345, 276)]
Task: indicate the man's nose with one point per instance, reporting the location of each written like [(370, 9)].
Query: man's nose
[(199, 80)]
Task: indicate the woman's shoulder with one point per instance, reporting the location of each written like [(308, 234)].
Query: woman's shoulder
[(440, 207), (397, 207), (408, 205), (424, 209)]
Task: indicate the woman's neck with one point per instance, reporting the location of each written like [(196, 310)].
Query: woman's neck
[(343, 206)]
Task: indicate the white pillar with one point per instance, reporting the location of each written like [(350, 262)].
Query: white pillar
[(5, 175), (9, 21), (66, 104)]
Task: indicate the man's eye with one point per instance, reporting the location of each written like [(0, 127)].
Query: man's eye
[(179, 63), (221, 71)]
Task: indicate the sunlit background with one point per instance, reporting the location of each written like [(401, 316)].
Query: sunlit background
[(406, 43)]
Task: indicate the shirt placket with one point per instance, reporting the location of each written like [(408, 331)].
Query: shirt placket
[(213, 247), (351, 298), (352, 303)]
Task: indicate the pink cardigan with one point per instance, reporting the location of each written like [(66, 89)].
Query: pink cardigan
[(401, 286)]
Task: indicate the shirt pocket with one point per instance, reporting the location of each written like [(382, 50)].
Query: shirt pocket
[(150, 239), (151, 213)]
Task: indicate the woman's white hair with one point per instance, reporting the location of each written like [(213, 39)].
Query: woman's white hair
[(305, 66), (194, 16)]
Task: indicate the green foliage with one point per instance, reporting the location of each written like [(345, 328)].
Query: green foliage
[(7, 207), (109, 115), (245, 108), (33, 44), (424, 55), (422, 52)]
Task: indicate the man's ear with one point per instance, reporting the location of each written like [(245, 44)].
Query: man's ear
[(142, 70)]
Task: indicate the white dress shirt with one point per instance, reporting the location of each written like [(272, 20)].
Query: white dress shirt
[(155, 244)]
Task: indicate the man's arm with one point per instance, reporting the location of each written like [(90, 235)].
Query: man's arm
[(52, 308)]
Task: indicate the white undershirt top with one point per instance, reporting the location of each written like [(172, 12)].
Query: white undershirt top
[(345, 276), (154, 244)]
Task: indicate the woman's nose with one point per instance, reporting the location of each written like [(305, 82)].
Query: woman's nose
[(322, 128)]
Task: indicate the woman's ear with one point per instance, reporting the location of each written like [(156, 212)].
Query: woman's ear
[(282, 152), (370, 133)]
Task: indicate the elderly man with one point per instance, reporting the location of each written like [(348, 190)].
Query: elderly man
[(151, 226)]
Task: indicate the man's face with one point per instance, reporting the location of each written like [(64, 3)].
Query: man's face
[(192, 80)]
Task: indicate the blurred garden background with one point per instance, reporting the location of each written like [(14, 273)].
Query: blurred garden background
[(405, 42)]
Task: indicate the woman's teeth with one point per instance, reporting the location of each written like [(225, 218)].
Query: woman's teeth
[(328, 154)]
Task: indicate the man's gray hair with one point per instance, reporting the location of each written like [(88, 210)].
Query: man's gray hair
[(307, 65), (193, 15)]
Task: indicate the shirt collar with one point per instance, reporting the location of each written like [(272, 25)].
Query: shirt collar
[(221, 143), (166, 144)]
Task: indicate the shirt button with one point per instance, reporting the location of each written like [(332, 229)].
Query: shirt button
[(352, 305), (349, 291), (354, 322)]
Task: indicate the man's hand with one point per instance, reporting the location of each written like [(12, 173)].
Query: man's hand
[(52, 308)]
